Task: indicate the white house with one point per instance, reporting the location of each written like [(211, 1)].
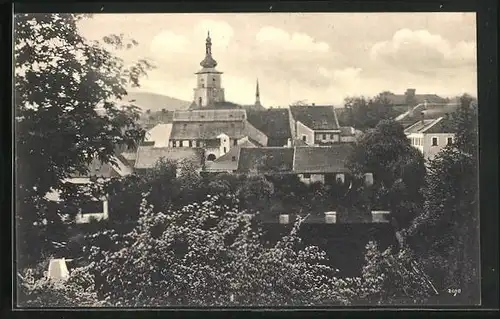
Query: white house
[(430, 136)]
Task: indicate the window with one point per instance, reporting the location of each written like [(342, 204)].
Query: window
[(434, 141), (190, 143), (203, 85), (232, 124), (225, 150), (213, 79), (450, 140), (324, 136), (173, 144), (307, 176), (211, 157), (179, 143), (185, 125), (233, 158), (199, 102), (235, 142), (331, 136), (304, 138)]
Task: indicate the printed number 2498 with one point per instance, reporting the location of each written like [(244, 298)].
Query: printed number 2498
[(454, 291)]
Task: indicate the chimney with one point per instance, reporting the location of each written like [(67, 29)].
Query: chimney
[(425, 104), (422, 116), (289, 143)]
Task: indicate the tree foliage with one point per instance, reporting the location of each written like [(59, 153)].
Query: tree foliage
[(209, 254), (391, 278), (398, 170), (446, 234), (61, 82), (363, 113)]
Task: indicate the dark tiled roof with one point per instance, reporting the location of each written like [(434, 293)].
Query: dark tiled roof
[(445, 125), (317, 117), (329, 159), (440, 125), (274, 123), (419, 126), (148, 156), (106, 170), (207, 130), (266, 160)]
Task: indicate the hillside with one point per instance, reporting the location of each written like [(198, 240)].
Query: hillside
[(156, 102)]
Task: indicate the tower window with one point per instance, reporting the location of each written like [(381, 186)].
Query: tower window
[(225, 150), (203, 85)]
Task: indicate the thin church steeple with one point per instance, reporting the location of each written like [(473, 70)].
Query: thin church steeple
[(257, 94)]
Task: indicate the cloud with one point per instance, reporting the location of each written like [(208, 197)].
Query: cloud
[(169, 42), (220, 32), (422, 51), (284, 41)]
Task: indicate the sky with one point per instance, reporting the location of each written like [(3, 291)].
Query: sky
[(320, 58)]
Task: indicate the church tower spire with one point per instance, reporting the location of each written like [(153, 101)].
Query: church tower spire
[(208, 91), (257, 94), (208, 61)]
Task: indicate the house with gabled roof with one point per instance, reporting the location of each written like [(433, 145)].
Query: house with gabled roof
[(430, 136), (315, 124), (310, 163), (321, 164)]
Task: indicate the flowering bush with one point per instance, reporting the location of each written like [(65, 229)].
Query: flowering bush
[(209, 254), (77, 291)]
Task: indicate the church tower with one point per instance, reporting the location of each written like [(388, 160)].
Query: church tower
[(257, 95), (208, 86)]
